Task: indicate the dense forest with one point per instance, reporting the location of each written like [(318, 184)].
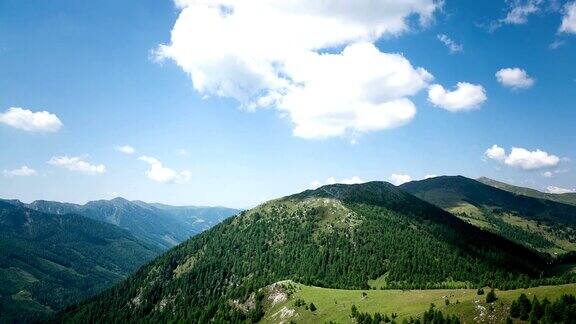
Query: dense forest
[(431, 316), (338, 236), (562, 310), (50, 261)]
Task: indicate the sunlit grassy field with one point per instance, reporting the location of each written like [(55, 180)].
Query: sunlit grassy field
[(335, 304)]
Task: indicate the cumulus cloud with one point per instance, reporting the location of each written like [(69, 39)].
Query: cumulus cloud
[(314, 62), (23, 171), (27, 120), (126, 149), (430, 176), (531, 160), (465, 97), (331, 180), (159, 173), (548, 174), (398, 179), (496, 153), (523, 158), (569, 19), (77, 164), (558, 190), (451, 44), (520, 10), (514, 78)]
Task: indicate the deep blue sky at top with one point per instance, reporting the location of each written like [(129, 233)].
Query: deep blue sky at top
[(90, 63)]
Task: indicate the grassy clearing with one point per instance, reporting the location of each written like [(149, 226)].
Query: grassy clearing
[(335, 304)]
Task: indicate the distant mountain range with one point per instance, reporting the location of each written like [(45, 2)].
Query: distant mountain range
[(55, 254), (565, 198), (338, 236), (161, 225), (443, 232)]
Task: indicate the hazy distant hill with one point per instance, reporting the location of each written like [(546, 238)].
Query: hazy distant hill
[(542, 224), (198, 217), (566, 198), (340, 236), (161, 225), (49, 261)]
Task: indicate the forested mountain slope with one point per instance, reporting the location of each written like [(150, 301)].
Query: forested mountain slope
[(49, 261), (565, 198), (541, 224), (161, 225), (338, 236)]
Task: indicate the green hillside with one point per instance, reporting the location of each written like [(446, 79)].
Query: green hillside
[(566, 198), (50, 261), (334, 305), (338, 236), (542, 224)]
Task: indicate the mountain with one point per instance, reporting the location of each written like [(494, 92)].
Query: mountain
[(198, 217), (566, 198), (161, 225), (49, 261), (542, 224), (338, 236)]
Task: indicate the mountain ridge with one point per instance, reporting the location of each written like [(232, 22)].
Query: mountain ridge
[(51, 260), (565, 198), (542, 224), (158, 226), (370, 231)]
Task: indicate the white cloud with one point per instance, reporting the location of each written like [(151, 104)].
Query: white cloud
[(159, 173), (520, 10), (24, 119), (558, 190), (496, 153), (126, 149), (514, 78), (569, 19), (523, 158), (77, 164), (23, 171), (465, 97), (331, 180), (430, 176), (547, 174), (183, 152), (531, 160), (451, 44), (295, 65), (398, 179)]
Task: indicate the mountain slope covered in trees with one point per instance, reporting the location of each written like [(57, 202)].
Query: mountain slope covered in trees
[(49, 261), (542, 224), (160, 225), (338, 236)]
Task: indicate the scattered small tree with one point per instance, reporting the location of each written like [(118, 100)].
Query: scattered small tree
[(491, 296), (312, 307)]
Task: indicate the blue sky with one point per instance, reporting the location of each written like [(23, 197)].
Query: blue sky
[(98, 69)]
